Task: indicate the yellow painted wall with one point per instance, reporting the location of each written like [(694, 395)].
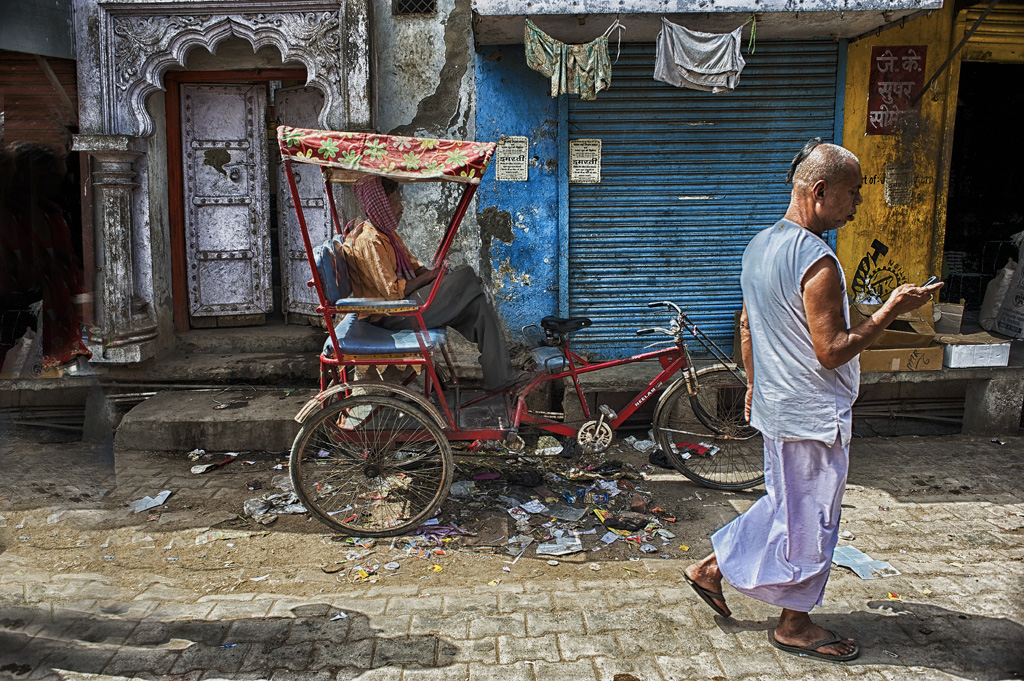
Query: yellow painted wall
[(913, 234)]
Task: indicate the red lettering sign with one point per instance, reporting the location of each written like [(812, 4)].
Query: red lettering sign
[(896, 77)]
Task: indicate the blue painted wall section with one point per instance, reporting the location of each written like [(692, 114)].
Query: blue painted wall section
[(518, 220)]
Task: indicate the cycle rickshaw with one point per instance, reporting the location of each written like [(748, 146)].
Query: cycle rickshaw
[(375, 459)]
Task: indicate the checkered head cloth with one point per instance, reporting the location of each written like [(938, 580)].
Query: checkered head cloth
[(370, 193)]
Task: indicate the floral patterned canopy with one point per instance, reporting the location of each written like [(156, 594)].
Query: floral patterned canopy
[(352, 155)]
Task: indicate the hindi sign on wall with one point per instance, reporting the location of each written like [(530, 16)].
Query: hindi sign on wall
[(896, 76), (899, 184), (585, 161), (512, 159)]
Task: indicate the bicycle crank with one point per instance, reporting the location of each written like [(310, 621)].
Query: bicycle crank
[(594, 437)]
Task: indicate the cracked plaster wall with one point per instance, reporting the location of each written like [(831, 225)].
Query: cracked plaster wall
[(519, 220), (425, 88)]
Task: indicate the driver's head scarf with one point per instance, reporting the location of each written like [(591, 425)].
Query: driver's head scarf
[(370, 193)]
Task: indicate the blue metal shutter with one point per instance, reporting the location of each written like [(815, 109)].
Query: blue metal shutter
[(687, 179)]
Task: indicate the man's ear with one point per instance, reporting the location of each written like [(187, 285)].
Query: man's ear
[(818, 191)]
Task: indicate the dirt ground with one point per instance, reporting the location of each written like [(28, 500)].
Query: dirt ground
[(66, 505)]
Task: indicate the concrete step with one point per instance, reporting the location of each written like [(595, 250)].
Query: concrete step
[(297, 369), (272, 337), (183, 420)]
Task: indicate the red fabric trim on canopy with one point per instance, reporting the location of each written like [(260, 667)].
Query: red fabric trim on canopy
[(401, 158)]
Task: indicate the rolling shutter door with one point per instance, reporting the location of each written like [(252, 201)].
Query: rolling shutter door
[(687, 178)]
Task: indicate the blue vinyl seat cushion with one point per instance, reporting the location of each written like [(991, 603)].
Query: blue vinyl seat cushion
[(358, 337), (363, 338), (323, 256)]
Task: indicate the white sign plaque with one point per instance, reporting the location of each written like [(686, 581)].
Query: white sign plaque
[(584, 161), (511, 159)]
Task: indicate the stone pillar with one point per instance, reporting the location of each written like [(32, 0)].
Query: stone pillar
[(124, 327), (993, 407)]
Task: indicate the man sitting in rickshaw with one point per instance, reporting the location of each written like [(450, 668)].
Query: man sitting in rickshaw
[(381, 267)]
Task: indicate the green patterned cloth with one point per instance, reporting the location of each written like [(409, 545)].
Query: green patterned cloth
[(584, 70)]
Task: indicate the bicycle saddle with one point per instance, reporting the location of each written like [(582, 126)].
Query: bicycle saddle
[(565, 325)]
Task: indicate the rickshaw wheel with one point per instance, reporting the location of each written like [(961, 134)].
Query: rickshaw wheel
[(371, 466)]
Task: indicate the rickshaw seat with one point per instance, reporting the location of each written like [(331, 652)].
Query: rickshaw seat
[(330, 263), (363, 338), (565, 324), (357, 337)]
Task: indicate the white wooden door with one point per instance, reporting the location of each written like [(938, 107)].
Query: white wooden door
[(227, 236), (299, 107)]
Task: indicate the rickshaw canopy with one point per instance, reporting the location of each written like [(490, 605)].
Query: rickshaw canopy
[(352, 155)]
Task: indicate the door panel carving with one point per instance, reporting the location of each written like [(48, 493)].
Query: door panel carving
[(227, 240), (299, 107)]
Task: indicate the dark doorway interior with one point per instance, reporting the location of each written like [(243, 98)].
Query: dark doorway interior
[(986, 176)]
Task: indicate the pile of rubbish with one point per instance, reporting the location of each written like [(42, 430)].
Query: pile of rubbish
[(534, 503), (553, 508)]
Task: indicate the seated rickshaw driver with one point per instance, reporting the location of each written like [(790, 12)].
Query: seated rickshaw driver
[(380, 266)]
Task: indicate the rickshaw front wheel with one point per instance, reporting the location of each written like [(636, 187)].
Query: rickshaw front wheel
[(371, 466)]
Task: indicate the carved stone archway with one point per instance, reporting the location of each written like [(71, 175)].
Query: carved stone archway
[(125, 47), (141, 39)]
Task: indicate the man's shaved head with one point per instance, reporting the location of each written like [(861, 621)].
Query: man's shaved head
[(819, 161)]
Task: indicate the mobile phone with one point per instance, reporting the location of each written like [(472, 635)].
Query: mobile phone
[(931, 280)]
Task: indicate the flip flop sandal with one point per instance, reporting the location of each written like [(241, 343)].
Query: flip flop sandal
[(708, 596), (812, 649)]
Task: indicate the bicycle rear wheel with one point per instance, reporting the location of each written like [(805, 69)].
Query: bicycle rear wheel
[(371, 465), (706, 436)]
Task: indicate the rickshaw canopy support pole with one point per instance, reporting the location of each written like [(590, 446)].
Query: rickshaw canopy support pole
[(335, 220), (449, 238)]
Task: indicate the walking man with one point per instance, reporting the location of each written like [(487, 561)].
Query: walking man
[(803, 375)]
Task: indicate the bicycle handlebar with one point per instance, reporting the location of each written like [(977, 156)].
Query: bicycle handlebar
[(666, 303), (645, 332)]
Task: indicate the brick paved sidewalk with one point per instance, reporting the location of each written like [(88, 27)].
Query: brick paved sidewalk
[(946, 512)]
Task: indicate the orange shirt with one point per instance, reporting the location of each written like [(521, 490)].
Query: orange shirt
[(373, 267)]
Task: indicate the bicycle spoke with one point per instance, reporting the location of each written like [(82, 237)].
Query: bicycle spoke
[(372, 465)]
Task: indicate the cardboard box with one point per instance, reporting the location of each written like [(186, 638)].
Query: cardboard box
[(974, 350), (901, 359), (949, 317), (910, 330)]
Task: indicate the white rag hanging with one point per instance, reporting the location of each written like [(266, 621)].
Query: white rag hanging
[(701, 61)]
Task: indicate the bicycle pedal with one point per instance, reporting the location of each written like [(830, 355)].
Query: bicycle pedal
[(609, 412)]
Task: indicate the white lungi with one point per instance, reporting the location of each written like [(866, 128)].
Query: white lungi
[(780, 551)]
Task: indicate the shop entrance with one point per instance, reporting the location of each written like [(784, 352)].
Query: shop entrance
[(984, 207)]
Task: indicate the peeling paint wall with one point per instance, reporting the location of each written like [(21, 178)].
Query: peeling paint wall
[(891, 245), (425, 88), (519, 220)]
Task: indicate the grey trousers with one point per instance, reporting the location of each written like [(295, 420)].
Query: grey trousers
[(461, 304)]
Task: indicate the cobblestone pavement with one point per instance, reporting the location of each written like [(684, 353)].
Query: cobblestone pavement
[(947, 512)]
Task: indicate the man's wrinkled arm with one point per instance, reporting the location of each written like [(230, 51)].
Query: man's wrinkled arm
[(747, 353), (835, 343)]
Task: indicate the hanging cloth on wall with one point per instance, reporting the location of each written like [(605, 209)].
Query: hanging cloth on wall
[(701, 61), (584, 70)]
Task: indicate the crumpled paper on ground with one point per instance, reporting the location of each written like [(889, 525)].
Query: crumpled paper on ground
[(862, 564), (262, 509), (146, 503)]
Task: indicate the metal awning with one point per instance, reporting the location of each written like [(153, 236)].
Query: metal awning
[(501, 22)]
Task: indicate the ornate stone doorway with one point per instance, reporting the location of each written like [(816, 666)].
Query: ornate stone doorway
[(126, 48)]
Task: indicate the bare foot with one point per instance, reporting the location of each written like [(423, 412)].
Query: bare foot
[(796, 629), (707, 576)]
